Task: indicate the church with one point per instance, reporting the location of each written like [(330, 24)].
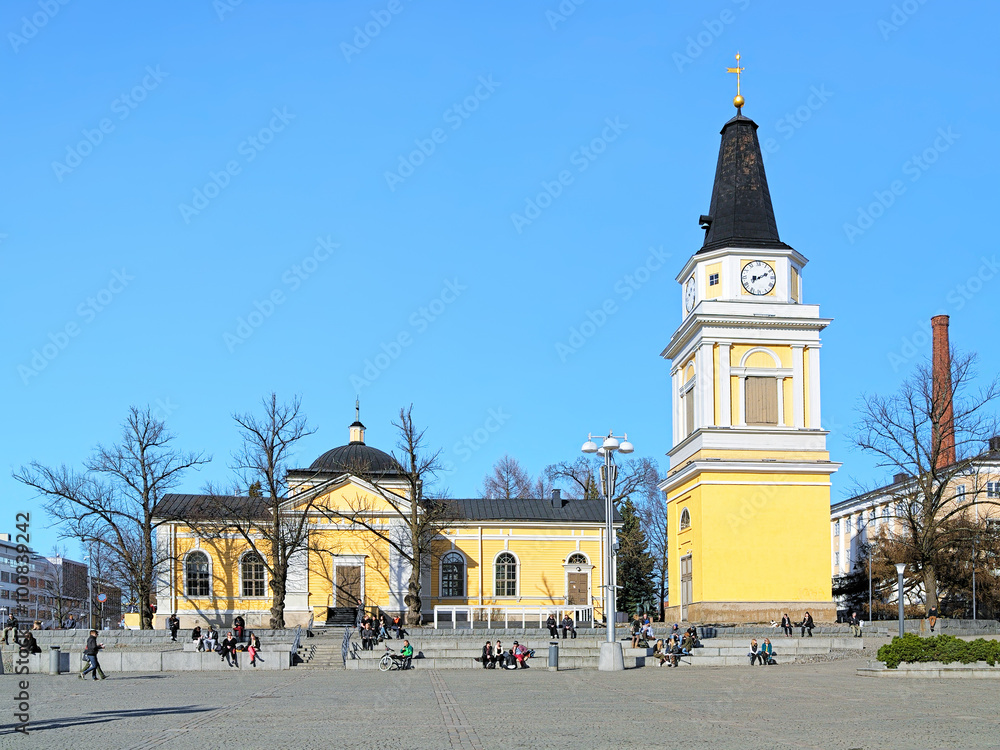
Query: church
[(515, 560), (748, 485)]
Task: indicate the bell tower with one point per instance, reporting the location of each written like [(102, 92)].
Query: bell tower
[(748, 489)]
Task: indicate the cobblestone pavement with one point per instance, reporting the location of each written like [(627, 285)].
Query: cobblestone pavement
[(821, 705)]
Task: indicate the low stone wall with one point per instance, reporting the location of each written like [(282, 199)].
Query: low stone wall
[(923, 670), (273, 658), (144, 640)]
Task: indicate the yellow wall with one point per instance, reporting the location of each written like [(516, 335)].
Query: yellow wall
[(712, 292)]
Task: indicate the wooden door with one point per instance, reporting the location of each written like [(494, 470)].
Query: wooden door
[(687, 588), (577, 592), (348, 585)]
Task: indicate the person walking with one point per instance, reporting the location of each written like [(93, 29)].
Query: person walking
[(90, 652), (932, 617), (173, 624), (786, 624), (807, 624)]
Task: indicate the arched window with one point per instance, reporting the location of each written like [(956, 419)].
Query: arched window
[(196, 578), (577, 558), (685, 519), (253, 574), (453, 575), (505, 575)]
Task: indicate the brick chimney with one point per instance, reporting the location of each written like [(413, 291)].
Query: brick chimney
[(941, 392)]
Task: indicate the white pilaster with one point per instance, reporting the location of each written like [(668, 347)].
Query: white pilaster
[(781, 402), (815, 418), (675, 401), (725, 406), (741, 395), (798, 393), (706, 384)]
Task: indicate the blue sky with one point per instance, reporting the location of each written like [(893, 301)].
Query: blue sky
[(203, 202)]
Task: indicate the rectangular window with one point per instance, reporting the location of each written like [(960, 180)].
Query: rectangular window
[(960, 493), (847, 524), (5, 577), (713, 279), (762, 401), (872, 520), (885, 513), (836, 559), (993, 489), (836, 528)]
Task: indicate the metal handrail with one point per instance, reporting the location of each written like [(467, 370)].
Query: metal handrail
[(296, 642)]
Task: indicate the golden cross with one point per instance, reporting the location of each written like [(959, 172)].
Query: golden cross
[(738, 99)]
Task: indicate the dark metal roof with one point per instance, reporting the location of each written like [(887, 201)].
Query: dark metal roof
[(541, 509), (194, 507), (741, 210), (356, 458)]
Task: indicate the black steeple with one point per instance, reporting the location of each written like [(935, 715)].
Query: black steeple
[(741, 214)]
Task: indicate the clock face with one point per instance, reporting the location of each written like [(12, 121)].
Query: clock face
[(689, 294), (757, 277)]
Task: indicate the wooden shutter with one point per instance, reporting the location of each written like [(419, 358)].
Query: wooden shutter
[(762, 401)]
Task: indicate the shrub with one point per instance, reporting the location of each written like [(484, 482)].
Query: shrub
[(943, 648)]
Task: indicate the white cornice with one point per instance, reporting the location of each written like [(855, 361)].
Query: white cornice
[(694, 468)]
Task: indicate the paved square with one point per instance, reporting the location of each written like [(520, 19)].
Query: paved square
[(801, 706)]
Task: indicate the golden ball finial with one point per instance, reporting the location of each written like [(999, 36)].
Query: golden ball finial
[(738, 101)]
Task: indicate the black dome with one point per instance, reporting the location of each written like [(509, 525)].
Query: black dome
[(356, 458)]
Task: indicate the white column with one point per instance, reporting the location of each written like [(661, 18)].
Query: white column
[(706, 384), (815, 419), (781, 402), (725, 407), (798, 394), (741, 395), (675, 402)]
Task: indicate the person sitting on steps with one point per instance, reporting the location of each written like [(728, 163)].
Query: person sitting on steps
[(551, 625), (767, 653), (754, 653), (568, 626), (807, 624), (407, 653)]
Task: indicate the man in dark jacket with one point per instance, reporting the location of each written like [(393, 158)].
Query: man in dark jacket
[(91, 653), (174, 624), (567, 626), (855, 624), (239, 625), (10, 626), (807, 624)]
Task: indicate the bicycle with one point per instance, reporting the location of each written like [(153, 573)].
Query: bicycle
[(390, 661)]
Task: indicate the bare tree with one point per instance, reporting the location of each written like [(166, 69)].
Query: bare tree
[(910, 433), (507, 481), (402, 491), (652, 511), (109, 505), (635, 476), (257, 510)]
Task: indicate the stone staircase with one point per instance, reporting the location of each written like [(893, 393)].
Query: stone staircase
[(322, 651), (455, 650)]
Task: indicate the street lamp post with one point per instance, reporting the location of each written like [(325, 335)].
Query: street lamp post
[(900, 569), (611, 658)]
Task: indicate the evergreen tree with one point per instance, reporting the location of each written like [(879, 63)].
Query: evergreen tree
[(635, 564)]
